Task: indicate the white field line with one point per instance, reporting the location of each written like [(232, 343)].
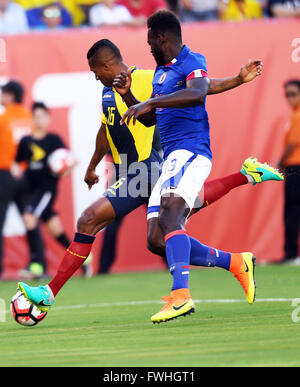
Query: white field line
[(134, 303)]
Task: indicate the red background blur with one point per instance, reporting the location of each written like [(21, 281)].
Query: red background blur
[(247, 121)]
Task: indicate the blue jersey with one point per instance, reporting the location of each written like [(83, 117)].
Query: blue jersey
[(185, 128)]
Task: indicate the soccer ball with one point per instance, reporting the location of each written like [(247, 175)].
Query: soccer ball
[(60, 160), (24, 312)]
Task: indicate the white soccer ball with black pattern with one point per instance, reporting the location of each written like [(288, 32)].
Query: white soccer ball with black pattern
[(24, 312)]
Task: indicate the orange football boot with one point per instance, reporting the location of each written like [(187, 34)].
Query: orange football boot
[(242, 266), (179, 303)]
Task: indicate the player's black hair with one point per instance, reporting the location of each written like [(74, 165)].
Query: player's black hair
[(16, 89), (165, 21), (104, 43), (39, 105), (293, 82)]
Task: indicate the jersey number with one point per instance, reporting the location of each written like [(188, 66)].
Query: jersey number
[(111, 116)]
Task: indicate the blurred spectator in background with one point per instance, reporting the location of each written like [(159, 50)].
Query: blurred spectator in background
[(108, 13), (15, 122), (263, 3), (143, 8), (239, 10), (174, 5), (290, 163), (48, 15), (264, 6), (85, 6), (197, 10), (284, 8), (71, 12), (51, 17), (12, 18)]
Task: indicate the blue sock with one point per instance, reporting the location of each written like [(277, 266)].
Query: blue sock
[(178, 249), (202, 255)]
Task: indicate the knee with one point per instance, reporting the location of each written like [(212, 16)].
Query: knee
[(86, 222), (172, 214), (156, 245), (168, 220)]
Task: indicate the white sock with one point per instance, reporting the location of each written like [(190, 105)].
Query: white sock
[(250, 179), (51, 297)]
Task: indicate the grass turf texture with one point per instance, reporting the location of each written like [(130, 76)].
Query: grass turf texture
[(218, 334)]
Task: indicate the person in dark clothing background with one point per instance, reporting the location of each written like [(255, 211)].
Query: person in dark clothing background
[(290, 163), (41, 189)]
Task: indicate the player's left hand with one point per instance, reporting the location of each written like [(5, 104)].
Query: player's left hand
[(135, 111), (251, 70), (122, 82)]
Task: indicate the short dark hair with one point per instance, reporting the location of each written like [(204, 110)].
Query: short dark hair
[(39, 105), (104, 43), (165, 21), (16, 89), (293, 82)]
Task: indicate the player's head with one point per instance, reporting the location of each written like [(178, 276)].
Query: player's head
[(292, 92), (41, 116), (12, 92), (164, 30), (104, 60)]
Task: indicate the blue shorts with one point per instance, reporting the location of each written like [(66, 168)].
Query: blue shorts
[(133, 187)]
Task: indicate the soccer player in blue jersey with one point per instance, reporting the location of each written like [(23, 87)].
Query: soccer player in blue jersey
[(131, 144), (180, 87)]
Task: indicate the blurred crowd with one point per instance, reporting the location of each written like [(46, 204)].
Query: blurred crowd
[(21, 16)]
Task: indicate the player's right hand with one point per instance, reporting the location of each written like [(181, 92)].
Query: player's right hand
[(91, 178), (122, 82)]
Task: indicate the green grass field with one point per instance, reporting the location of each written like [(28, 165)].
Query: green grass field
[(104, 321)]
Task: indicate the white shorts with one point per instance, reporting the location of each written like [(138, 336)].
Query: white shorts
[(183, 174)]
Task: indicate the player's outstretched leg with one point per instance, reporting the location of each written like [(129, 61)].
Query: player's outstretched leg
[(241, 265), (260, 172), (252, 172), (94, 219)]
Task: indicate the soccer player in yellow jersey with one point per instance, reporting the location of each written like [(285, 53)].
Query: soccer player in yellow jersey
[(137, 164)]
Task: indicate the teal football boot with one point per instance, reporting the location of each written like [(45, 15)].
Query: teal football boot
[(40, 296), (257, 172)]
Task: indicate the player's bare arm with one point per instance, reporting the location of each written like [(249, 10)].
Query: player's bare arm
[(102, 147), (194, 94), (247, 74), (122, 84)]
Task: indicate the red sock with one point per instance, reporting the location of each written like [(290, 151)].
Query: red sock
[(216, 189), (74, 257)]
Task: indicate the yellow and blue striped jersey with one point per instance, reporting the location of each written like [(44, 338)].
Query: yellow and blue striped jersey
[(134, 141)]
